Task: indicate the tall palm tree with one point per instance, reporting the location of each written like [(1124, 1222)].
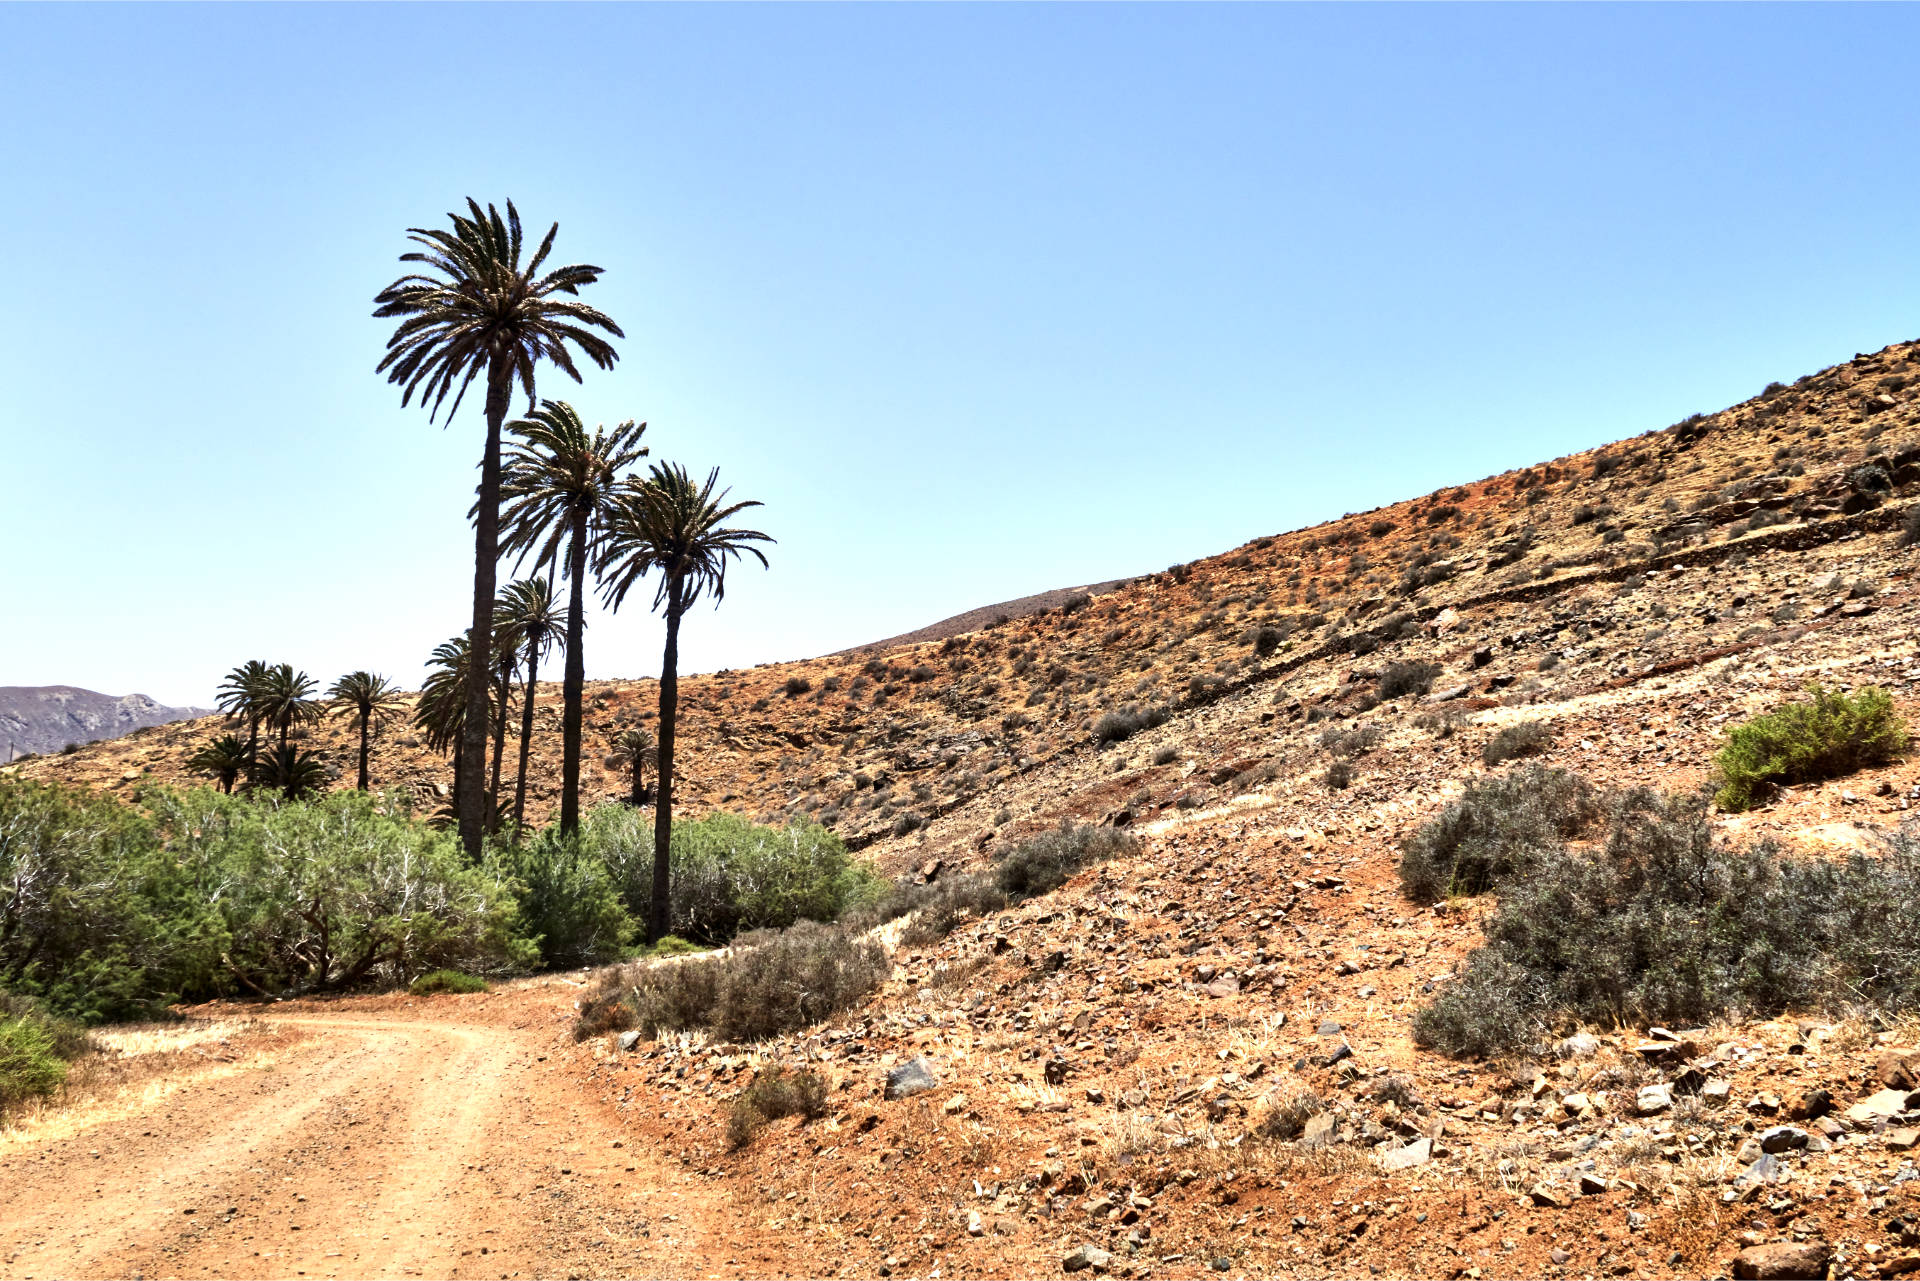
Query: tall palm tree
[(670, 524), (475, 306), (506, 662), (633, 749), (526, 609), (560, 483), (240, 696), (226, 758), (287, 699), (372, 699)]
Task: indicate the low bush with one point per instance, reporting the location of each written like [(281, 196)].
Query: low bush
[(772, 983), (776, 1092), (1910, 531), (446, 981), (1166, 755), (1496, 830), (1340, 774), (1045, 862), (1515, 741), (795, 686), (1124, 722), (1663, 926), (29, 1066), (942, 907), (1830, 734), (1406, 678), (1284, 1117)]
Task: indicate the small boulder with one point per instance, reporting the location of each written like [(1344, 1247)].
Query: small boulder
[(911, 1077), (1418, 1152), (1654, 1098), (1783, 1261), (1087, 1256), (627, 1040)]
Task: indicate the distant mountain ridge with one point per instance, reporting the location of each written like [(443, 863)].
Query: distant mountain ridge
[(36, 719)]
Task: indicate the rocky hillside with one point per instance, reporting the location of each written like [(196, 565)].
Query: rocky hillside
[(1115, 1066), (881, 743), (36, 719)]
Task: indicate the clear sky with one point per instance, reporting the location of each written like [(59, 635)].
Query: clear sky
[(979, 300)]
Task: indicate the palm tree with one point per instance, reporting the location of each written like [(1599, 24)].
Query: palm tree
[(559, 485), (287, 699), (526, 609), (240, 697), (506, 661), (370, 698), (441, 712), (294, 772), (633, 749), (226, 758), (477, 307), (669, 523)]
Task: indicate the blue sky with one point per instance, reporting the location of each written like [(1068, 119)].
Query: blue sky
[(979, 300)]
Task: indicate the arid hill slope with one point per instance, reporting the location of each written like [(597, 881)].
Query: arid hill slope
[(1109, 1057), (45, 718), (874, 743)]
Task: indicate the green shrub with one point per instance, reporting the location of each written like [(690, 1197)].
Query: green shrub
[(446, 981), (29, 1067), (1495, 831), (1829, 735), (728, 875), (1044, 862), (1515, 741), (1406, 678), (569, 901), (1662, 926), (96, 919)]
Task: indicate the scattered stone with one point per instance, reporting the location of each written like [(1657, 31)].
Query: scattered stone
[(1782, 1138), (1581, 1045), (1884, 1103), (1087, 1256), (975, 1226), (1592, 1184), (1318, 1131), (958, 1103), (1902, 1139), (1418, 1152), (627, 1040), (1654, 1098), (911, 1077), (1897, 1071), (1548, 1198), (1783, 1261), (1808, 1105)]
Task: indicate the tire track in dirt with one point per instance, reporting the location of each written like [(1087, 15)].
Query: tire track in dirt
[(387, 1145)]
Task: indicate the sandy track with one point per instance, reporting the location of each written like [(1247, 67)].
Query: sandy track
[(447, 1138)]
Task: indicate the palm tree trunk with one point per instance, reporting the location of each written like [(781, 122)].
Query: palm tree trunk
[(526, 738), (499, 740), (637, 793), (576, 677), (472, 776), (365, 716), (657, 918)]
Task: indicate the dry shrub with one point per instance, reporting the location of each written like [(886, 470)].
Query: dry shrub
[(775, 1092)]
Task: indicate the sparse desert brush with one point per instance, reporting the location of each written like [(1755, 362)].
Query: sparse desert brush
[(776, 1092), (1406, 678), (1496, 830), (1127, 720), (770, 983), (1830, 734), (1662, 925), (1515, 741), (1044, 862)]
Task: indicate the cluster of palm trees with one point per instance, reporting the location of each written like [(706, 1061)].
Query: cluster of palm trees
[(563, 496), (273, 696)]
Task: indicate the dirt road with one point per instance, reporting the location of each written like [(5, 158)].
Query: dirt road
[(386, 1138)]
